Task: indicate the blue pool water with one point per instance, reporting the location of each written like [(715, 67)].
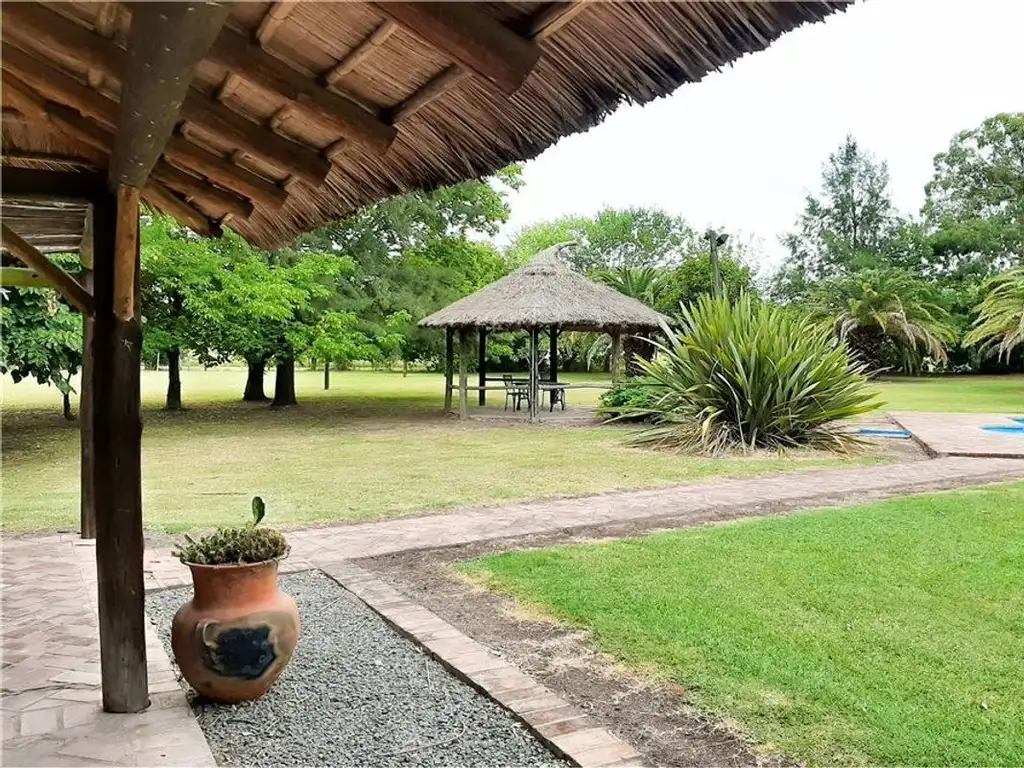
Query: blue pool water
[(898, 434), (1005, 430)]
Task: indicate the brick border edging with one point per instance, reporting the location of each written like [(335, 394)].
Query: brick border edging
[(561, 727)]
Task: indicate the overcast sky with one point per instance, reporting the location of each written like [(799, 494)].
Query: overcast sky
[(740, 149)]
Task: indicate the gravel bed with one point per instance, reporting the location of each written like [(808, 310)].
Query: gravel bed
[(356, 693)]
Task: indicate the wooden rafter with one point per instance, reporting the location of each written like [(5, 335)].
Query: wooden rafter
[(553, 17), (28, 255), (193, 187), (274, 18), (471, 37), (236, 53), (165, 201), (35, 25), (435, 87), (225, 172), (366, 47)]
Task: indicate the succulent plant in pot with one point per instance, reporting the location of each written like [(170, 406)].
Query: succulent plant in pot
[(237, 634)]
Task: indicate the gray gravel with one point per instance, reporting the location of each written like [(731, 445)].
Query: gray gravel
[(356, 693)]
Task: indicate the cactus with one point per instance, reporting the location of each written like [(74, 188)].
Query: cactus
[(235, 546)]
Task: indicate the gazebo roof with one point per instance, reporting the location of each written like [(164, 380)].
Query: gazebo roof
[(546, 292), (301, 112)]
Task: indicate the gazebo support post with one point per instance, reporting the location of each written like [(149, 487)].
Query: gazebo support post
[(463, 373), (481, 364), (534, 378), (449, 334), (616, 361), (116, 349), (553, 353), (87, 526)]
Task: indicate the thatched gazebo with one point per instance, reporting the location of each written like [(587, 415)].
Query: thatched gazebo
[(545, 293)]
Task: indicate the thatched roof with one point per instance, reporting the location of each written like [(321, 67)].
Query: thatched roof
[(302, 112), (546, 292)]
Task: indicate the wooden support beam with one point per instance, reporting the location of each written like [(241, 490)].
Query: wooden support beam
[(434, 88), (87, 500), (225, 173), (449, 354), (167, 202), (474, 39), (31, 183), (463, 373), (552, 18), (193, 187), (235, 52), (367, 46), (116, 444), (126, 245), (616, 357), (166, 42), (34, 25), (481, 367), (553, 353), (68, 287), (254, 139), (534, 373), (275, 17)]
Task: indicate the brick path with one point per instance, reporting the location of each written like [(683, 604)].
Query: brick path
[(50, 698), (51, 676), (960, 434)]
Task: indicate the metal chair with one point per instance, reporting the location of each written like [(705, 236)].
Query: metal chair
[(516, 392)]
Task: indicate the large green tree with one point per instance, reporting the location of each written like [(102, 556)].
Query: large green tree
[(999, 329), (40, 338)]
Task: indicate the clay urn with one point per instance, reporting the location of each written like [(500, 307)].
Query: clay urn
[(237, 634)]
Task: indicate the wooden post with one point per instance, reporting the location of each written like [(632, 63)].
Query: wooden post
[(449, 334), (481, 364), (616, 361), (87, 526), (534, 378), (116, 349), (553, 353), (463, 373)]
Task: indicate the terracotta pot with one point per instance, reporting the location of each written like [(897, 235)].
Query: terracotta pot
[(237, 634)]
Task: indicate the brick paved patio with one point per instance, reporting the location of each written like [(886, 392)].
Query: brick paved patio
[(51, 696)]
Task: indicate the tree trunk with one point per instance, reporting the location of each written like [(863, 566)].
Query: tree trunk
[(327, 375), (67, 406), (865, 343), (405, 368), (254, 382), (284, 383), (173, 379)]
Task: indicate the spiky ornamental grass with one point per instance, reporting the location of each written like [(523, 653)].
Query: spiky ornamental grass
[(745, 375), (235, 546)]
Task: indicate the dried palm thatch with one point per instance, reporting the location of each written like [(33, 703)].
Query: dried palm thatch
[(435, 106), (547, 292)]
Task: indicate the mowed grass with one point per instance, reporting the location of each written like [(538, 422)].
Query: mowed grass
[(890, 633), (954, 394), (375, 445)]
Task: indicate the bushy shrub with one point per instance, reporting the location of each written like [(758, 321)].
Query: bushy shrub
[(630, 399), (235, 546), (748, 375)]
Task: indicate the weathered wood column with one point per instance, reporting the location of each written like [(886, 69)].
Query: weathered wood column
[(116, 351), (534, 377), (553, 353), (87, 526), (449, 354), (463, 373), (481, 364), (616, 361)]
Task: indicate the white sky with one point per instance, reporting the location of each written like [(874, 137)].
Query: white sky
[(740, 149)]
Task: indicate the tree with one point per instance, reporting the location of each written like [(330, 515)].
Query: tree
[(874, 305), (631, 237), (999, 328), (850, 224), (41, 338), (975, 200), (693, 279)]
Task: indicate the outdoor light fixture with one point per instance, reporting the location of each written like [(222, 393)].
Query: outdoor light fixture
[(716, 240)]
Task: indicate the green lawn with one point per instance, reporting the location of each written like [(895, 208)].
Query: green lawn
[(890, 633), (375, 445), (954, 394)]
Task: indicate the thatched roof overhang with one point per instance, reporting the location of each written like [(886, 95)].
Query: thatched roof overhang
[(546, 292), (301, 112)]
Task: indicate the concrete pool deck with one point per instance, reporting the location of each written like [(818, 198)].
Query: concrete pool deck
[(961, 434)]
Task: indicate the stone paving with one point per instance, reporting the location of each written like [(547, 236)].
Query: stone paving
[(50, 665), (50, 701), (961, 434)]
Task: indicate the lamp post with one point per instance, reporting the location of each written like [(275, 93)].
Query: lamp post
[(716, 241)]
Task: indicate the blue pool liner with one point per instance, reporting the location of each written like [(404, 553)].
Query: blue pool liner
[(1003, 429), (896, 434)]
